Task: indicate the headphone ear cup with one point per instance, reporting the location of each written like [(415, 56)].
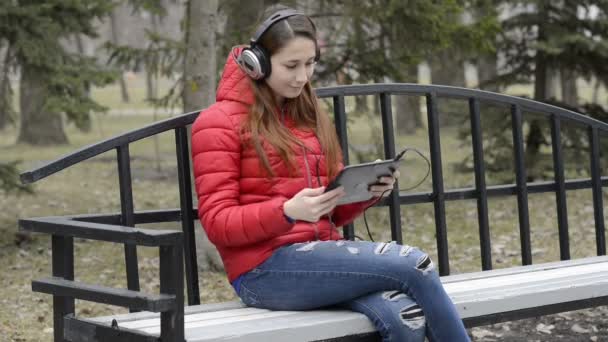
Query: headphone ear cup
[(263, 59), (250, 64)]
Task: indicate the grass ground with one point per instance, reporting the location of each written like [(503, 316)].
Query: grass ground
[(91, 187)]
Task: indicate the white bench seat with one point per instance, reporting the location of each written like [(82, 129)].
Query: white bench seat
[(481, 294)]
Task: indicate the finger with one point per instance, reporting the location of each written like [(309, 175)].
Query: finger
[(396, 174), (311, 191), (335, 193), (328, 207), (386, 180), (380, 188), (383, 193)]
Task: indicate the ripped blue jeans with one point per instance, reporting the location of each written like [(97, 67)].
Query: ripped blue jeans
[(396, 286)]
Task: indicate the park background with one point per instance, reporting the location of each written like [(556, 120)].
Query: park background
[(73, 73)]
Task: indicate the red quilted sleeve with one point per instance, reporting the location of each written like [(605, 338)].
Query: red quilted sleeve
[(216, 159)]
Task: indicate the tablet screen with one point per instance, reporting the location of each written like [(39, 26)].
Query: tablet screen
[(356, 179)]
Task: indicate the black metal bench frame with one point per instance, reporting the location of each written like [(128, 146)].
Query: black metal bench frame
[(175, 245)]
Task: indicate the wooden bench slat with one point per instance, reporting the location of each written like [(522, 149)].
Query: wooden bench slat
[(480, 294), (303, 326), (518, 301), (524, 269), (188, 310), (226, 315), (523, 278), (256, 315), (537, 287)]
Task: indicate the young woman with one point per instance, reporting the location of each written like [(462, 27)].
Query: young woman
[(263, 154)]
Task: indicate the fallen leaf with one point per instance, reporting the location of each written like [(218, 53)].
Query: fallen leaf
[(545, 329), (578, 329), (482, 333)]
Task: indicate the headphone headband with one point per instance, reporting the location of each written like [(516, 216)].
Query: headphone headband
[(255, 60), (278, 16)]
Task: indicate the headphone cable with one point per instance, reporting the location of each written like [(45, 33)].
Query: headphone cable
[(379, 198)]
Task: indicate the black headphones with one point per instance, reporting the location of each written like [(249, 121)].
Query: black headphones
[(255, 59)]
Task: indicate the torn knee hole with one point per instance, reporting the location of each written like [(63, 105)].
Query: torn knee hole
[(384, 247), (406, 250), (412, 316), (424, 264), (394, 296), (308, 247)]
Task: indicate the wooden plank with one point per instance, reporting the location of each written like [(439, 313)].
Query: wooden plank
[(78, 329), (524, 269), (189, 310), (480, 294), (226, 315), (516, 279), (305, 326), (489, 305)]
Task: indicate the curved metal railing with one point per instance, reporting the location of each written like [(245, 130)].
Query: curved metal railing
[(438, 196)]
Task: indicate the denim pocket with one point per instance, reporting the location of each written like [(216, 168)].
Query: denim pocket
[(248, 297)]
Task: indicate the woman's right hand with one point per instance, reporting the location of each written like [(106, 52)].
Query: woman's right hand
[(311, 204)]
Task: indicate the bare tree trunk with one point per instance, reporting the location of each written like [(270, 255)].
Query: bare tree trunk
[(151, 77), (199, 90), (114, 28), (6, 112), (152, 93), (241, 20), (82, 51), (88, 125), (38, 125), (535, 138), (569, 89), (199, 62), (596, 91), (447, 69), (487, 69), (407, 107), (553, 83)]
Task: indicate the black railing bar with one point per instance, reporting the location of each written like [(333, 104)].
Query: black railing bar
[(171, 272), (457, 92), (389, 153), (598, 196), (523, 211), (58, 286), (141, 217), (561, 204), (340, 124), (185, 198), (493, 191), (93, 150), (62, 248), (126, 210), (101, 232), (437, 183), (480, 186)]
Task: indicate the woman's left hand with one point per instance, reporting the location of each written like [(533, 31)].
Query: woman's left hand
[(385, 185)]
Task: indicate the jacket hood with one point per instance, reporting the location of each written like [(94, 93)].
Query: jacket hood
[(234, 84)]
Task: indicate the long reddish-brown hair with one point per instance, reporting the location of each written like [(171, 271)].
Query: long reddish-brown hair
[(264, 121)]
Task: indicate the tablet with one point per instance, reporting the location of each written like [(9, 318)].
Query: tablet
[(356, 179)]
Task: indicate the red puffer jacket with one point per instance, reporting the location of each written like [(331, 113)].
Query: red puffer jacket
[(239, 207)]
